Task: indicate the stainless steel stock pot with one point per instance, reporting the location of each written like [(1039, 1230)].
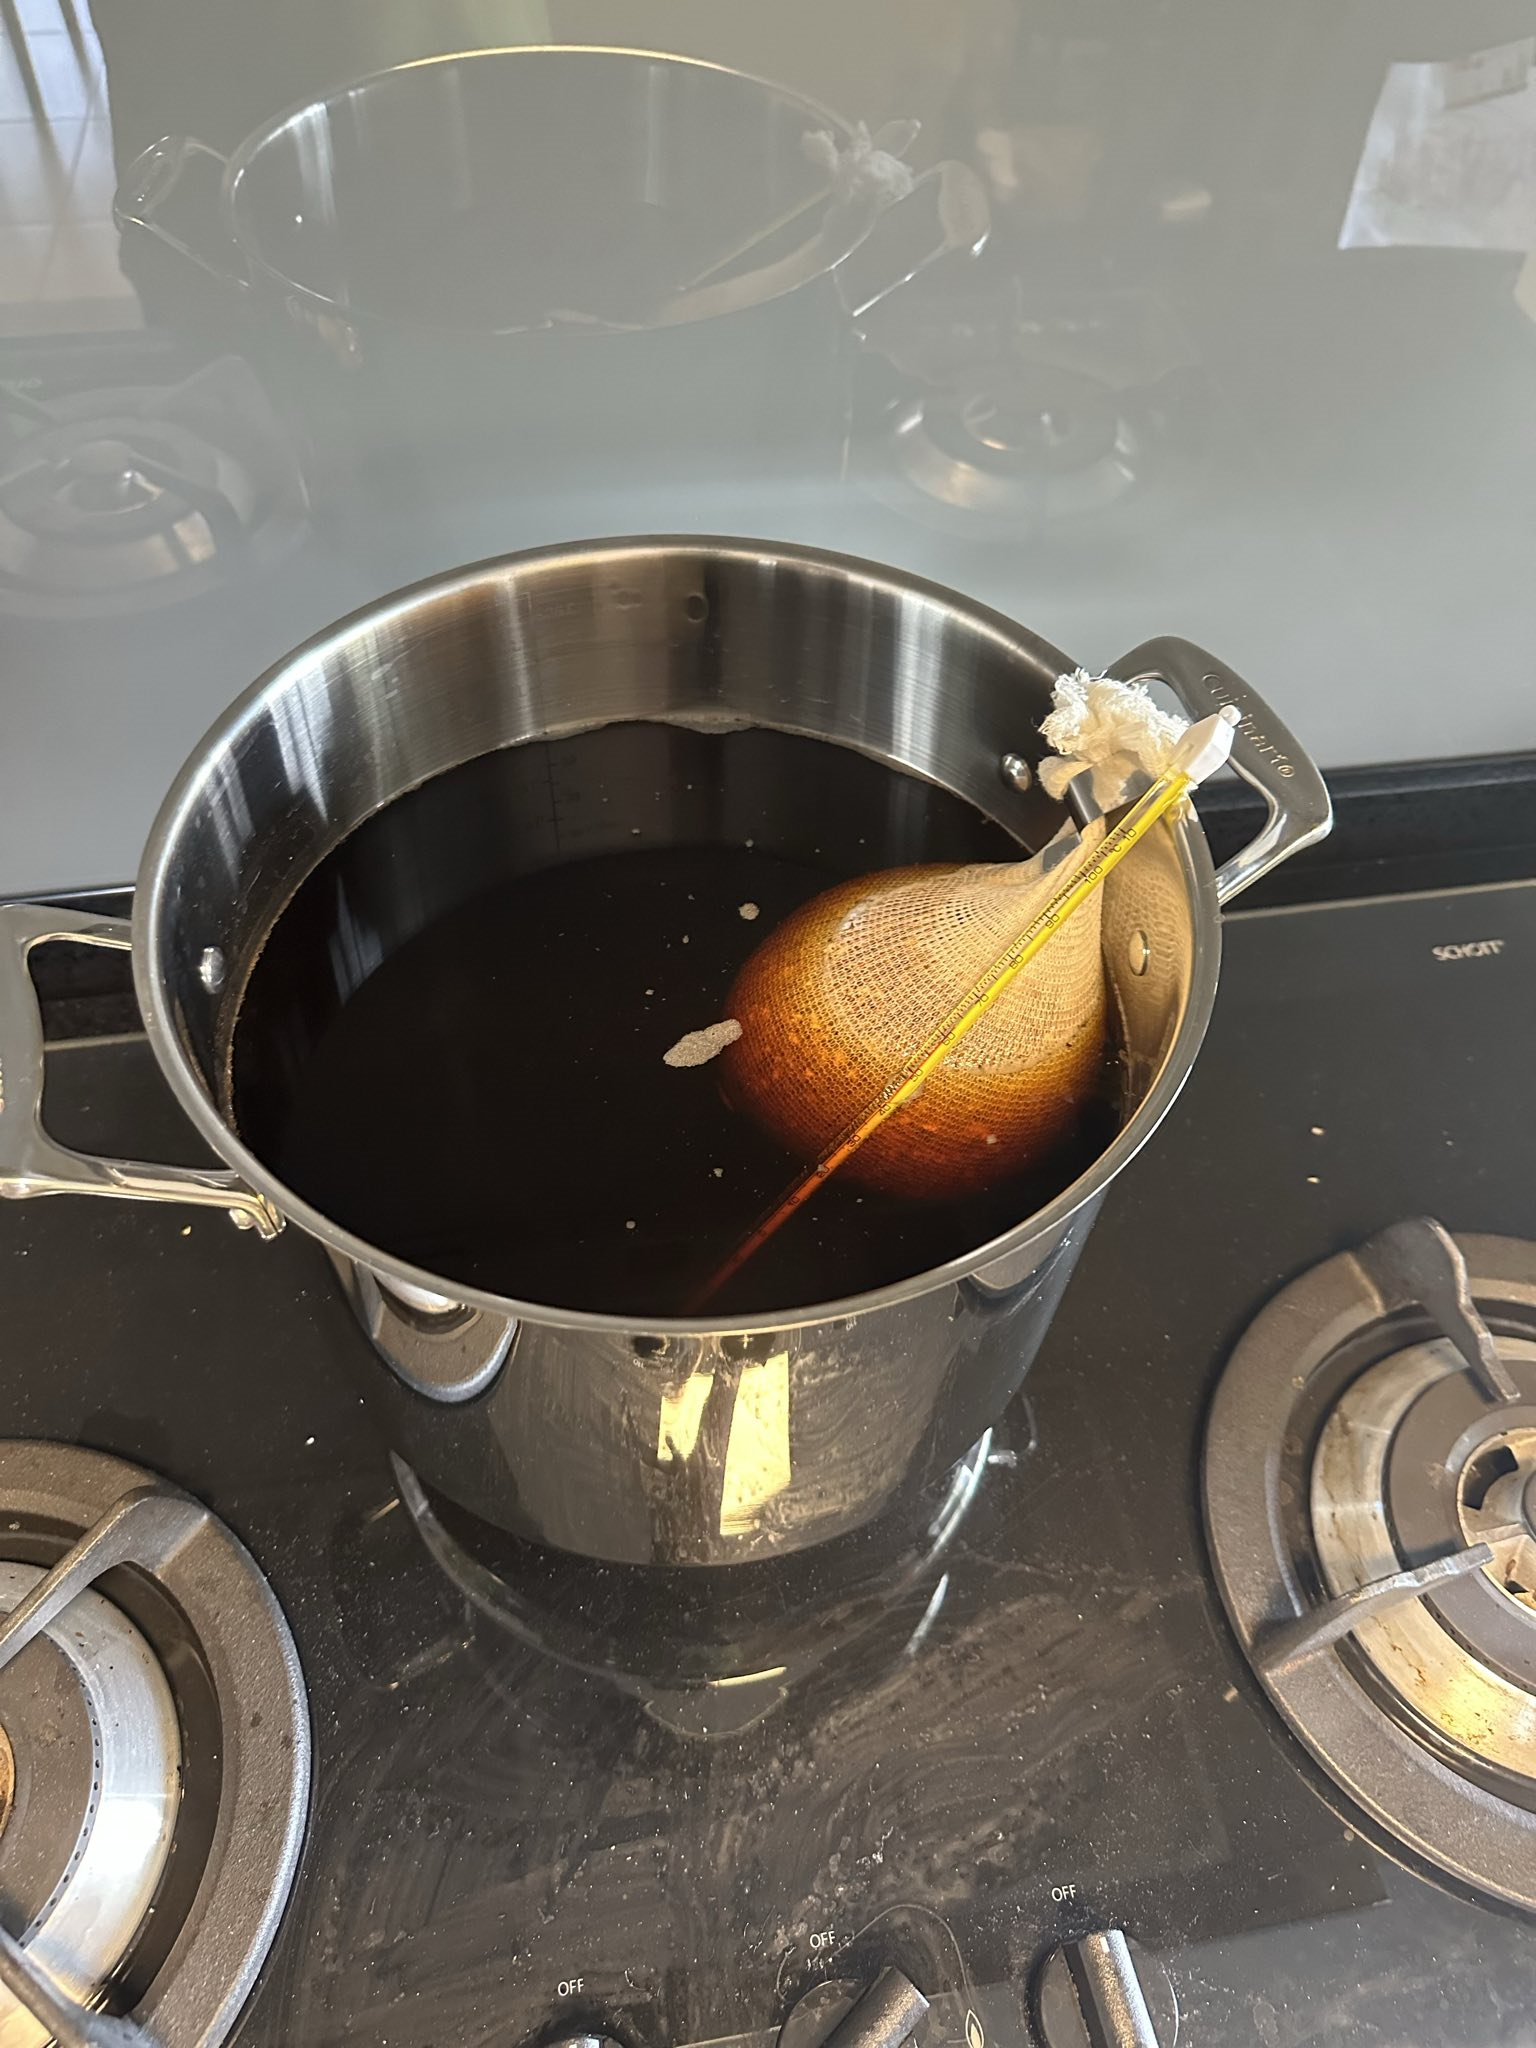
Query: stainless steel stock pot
[(679, 1441)]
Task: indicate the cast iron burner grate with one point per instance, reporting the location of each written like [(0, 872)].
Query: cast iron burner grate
[(1370, 1485), (158, 1746)]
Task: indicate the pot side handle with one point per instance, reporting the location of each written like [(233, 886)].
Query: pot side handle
[(1264, 753), (146, 186), (31, 1163)]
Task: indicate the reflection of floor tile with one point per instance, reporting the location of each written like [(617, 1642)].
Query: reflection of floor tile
[(14, 104), (51, 14), (69, 86), (94, 183), (23, 255), (36, 169), (84, 263)]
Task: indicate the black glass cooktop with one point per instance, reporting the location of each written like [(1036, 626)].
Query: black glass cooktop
[(1029, 1720)]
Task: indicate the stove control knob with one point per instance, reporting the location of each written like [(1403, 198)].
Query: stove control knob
[(1105, 1992), (841, 2015)]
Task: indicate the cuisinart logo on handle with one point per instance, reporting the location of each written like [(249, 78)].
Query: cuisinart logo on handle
[(1470, 949)]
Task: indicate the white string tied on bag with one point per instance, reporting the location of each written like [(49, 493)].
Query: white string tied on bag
[(868, 169), (1110, 728)]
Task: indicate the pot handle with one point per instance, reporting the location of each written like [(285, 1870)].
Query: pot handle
[(1264, 753), (149, 182), (31, 1163), (963, 220)]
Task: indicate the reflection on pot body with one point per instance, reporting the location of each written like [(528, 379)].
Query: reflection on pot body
[(713, 1447), (676, 1440)]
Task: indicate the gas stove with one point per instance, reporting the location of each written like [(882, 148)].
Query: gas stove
[(115, 500), (1195, 1707), (1018, 415), (1398, 1525), (154, 1767)]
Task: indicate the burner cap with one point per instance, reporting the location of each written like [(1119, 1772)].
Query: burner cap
[(1496, 1505), (1030, 425), (1396, 1480), (1017, 447), (90, 1726)]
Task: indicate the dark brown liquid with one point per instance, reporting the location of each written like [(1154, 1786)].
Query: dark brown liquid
[(466, 1068)]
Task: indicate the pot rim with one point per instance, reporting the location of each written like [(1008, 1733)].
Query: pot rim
[(243, 157), (151, 919)]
